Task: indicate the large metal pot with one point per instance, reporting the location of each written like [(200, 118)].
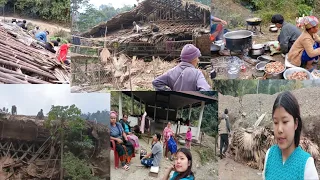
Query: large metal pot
[(238, 40)]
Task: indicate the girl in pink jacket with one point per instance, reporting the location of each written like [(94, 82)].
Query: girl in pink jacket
[(188, 138)]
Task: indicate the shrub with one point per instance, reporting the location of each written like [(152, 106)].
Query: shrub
[(76, 168), (304, 10)]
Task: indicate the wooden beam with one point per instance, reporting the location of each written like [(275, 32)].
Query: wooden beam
[(204, 18), (25, 154)]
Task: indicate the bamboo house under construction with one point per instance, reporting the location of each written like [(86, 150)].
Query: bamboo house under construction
[(180, 22)]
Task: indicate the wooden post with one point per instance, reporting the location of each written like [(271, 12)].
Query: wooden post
[(120, 104), (86, 67), (130, 77), (132, 103), (140, 104), (99, 76), (167, 117), (190, 106), (105, 38), (155, 110), (204, 18), (62, 146), (200, 119)]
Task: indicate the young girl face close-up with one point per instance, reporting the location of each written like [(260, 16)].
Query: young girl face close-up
[(284, 127), (181, 162)]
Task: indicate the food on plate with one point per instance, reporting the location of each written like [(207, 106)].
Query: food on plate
[(274, 68), (301, 75)]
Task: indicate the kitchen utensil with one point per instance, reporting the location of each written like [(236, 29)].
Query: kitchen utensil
[(260, 66), (290, 71), (238, 40), (254, 21)]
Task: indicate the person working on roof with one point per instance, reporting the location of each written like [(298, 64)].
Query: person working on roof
[(63, 52), (22, 24), (42, 36), (56, 42), (136, 28), (185, 76), (34, 31), (50, 47), (154, 27), (288, 35)]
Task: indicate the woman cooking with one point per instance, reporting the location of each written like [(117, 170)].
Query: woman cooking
[(306, 48), (286, 159), (124, 148)]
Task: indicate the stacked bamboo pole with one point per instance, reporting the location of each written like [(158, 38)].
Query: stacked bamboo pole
[(23, 64)]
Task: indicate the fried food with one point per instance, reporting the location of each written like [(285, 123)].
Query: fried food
[(254, 19), (274, 68), (298, 76)]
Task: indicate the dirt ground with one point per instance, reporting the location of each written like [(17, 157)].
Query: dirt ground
[(138, 172), (229, 169)]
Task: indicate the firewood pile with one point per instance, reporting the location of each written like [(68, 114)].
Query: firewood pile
[(249, 146), (24, 61)]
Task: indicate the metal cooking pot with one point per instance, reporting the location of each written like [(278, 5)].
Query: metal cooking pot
[(255, 53), (273, 29), (214, 49), (260, 66), (256, 50), (257, 46), (254, 21), (238, 40)]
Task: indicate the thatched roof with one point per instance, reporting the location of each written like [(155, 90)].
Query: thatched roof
[(184, 10)]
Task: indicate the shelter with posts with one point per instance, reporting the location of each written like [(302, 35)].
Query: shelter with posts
[(179, 22), (163, 106)]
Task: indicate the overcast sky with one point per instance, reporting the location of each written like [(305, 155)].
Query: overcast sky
[(29, 99), (115, 3)]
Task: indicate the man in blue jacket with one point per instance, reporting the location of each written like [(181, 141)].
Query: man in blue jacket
[(42, 36)]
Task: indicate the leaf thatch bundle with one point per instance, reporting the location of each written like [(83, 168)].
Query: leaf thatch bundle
[(250, 145)]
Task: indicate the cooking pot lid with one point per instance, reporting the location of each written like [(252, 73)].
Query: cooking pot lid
[(257, 46)]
